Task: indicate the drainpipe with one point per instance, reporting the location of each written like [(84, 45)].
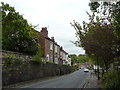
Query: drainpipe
[(53, 49), (53, 52)]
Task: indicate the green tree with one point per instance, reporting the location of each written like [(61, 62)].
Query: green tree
[(16, 34), (83, 58), (109, 11), (74, 59), (97, 39)]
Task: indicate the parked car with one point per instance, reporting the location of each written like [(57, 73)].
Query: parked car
[(86, 70), (82, 68)]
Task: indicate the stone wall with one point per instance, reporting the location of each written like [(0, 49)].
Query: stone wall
[(18, 70), (16, 55)]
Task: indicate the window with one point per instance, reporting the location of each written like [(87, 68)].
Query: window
[(47, 56), (51, 58), (55, 49), (51, 45), (61, 53)]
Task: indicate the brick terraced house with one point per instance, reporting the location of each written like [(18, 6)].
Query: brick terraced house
[(52, 51)]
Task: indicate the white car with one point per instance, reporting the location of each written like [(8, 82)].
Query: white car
[(86, 70)]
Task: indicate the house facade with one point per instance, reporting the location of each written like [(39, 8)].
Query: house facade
[(68, 61), (56, 53), (52, 51), (47, 45)]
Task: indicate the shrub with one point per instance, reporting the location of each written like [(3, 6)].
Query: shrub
[(19, 61), (37, 58), (112, 79), (9, 59)]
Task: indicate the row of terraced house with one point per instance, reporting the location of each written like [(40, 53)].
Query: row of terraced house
[(53, 52)]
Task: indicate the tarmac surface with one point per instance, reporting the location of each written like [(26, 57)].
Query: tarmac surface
[(77, 79), (73, 80)]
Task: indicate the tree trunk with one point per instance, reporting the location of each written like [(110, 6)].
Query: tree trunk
[(98, 73), (106, 67), (98, 69), (95, 71), (102, 72)]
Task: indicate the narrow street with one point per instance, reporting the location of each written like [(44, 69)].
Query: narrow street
[(73, 80)]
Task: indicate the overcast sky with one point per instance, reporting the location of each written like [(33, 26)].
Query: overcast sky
[(56, 15)]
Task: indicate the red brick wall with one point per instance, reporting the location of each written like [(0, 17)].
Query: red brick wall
[(47, 48), (42, 43), (43, 34)]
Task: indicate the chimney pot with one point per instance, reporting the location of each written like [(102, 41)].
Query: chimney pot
[(52, 38)]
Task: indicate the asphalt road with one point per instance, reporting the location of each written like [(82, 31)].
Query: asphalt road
[(73, 80)]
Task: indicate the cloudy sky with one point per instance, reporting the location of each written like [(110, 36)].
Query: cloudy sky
[(56, 15)]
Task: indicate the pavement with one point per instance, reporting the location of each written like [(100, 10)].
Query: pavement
[(93, 82)]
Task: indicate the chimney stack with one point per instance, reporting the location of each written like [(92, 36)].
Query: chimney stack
[(44, 32), (52, 38)]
